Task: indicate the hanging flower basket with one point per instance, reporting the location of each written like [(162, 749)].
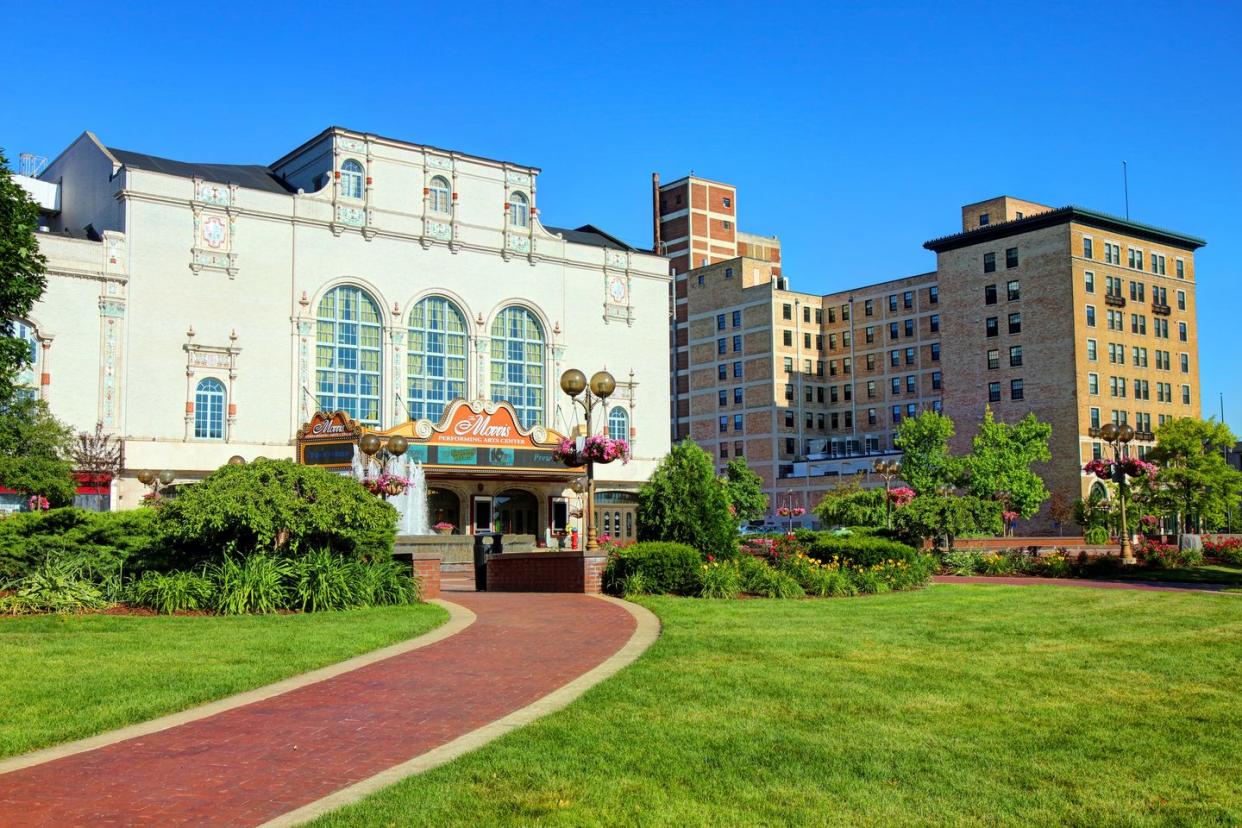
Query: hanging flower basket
[(386, 485), (900, 496), (597, 449), (1131, 466), (791, 511)]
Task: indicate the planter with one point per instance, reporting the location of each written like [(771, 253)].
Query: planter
[(444, 530)]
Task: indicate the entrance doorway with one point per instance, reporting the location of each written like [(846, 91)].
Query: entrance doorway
[(517, 513), (443, 506)]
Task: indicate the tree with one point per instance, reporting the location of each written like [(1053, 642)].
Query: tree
[(935, 517), (24, 277), (745, 491), (99, 453), (1194, 480), (35, 449), (685, 502), (999, 465), (925, 459), (852, 505)]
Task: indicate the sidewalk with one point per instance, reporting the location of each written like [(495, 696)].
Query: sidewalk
[(262, 760)]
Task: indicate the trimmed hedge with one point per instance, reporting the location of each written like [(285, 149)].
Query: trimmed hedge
[(661, 567), (861, 550), (101, 542)]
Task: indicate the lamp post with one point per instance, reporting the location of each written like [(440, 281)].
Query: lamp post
[(589, 396), (1118, 436), (888, 471), (156, 480)]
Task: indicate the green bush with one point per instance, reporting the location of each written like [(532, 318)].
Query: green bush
[(720, 579), (932, 517), (829, 582), (384, 583), (1055, 565), (751, 571), (320, 580), (256, 583), (101, 542), (54, 586), (869, 581), (1097, 535), (276, 506), (962, 562), (773, 583), (172, 592), (998, 563), (860, 550), (852, 506), (685, 502), (664, 567)]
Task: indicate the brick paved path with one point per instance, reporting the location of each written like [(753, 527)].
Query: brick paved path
[(256, 762), (1153, 586)]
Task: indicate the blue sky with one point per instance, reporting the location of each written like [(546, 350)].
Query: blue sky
[(854, 132)]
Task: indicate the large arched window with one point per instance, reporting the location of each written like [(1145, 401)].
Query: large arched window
[(517, 363), (27, 377), (519, 209), (351, 179), (347, 356), (619, 424), (437, 357), (209, 409), (440, 194)]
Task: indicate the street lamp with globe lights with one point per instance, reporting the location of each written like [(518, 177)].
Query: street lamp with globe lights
[(1117, 436), (588, 396), (888, 471)]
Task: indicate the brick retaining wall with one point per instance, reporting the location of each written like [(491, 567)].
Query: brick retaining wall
[(562, 571), (1039, 545)]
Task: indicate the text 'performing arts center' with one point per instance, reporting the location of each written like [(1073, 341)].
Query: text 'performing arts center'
[(205, 311)]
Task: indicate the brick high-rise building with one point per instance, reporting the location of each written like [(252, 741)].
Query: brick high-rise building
[(1076, 316)]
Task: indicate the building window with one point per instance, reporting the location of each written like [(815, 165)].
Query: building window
[(788, 365), (1087, 248), (739, 448), (933, 323), (909, 356), (806, 341), (518, 363), (28, 377), (722, 346), (1181, 269), (993, 392), (845, 313), (806, 314), (1089, 281), (935, 351), (737, 343), (1090, 316), (1011, 257), (726, 201), (209, 409), (993, 358), (440, 195), (989, 262), (1181, 300), (787, 311), (895, 385), (992, 326), (989, 295), (737, 422), (351, 179), (436, 361), (1181, 331), (869, 306), (911, 384), (870, 389), (789, 446), (1185, 395), (909, 327), (1185, 360), (724, 424), (1095, 418), (892, 330), (907, 299), (936, 381), (720, 321), (1015, 356), (737, 370), (722, 398), (789, 418), (1015, 323), (1012, 291), (722, 372), (728, 273), (619, 424), (933, 295), (728, 225), (984, 218), (519, 209), (724, 451), (1092, 349), (894, 358), (737, 319), (348, 353), (1093, 383), (737, 396), (787, 338)]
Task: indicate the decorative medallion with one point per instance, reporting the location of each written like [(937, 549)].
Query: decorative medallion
[(209, 193), (439, 230), (353, 216), (439, 162), (519, 243)]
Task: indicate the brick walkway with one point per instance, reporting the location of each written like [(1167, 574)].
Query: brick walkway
[(253, 763), (1151, 586)]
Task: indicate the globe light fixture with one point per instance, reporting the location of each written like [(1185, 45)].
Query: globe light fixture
[(1117, 436), (167, 476), (237, 460), (146, 476), (369, 444), (573, 382), (601, 386), (397, 445)]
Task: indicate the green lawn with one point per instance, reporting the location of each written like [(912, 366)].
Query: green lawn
[(70, 676), (976, 705), (1208, 574)]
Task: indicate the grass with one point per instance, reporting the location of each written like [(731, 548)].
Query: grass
[(965, 705), (1207, 574), (70, 676)]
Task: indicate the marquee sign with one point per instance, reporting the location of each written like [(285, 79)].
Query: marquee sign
[(328, 440)]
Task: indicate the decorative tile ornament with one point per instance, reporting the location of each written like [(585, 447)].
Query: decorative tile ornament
[(217, 194), (616, 258), (514, 177), (213, 241), (352, 144), (617, 302), (439, 162), (519, 243), (439, 230), (353, 216)]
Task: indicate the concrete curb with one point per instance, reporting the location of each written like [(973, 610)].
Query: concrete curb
[(646, 631), (459, 619)]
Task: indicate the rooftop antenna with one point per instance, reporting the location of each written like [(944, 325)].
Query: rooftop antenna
[(1125, 178), (30, 165)]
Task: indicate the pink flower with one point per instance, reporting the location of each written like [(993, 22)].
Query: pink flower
[(900, 496)]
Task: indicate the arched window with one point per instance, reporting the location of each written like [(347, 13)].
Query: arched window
[(351, 179), (437, 357), (27, 377), (441, 195), (619, 424), (517, 363), (347, 354), (209, 409), (519, 210)]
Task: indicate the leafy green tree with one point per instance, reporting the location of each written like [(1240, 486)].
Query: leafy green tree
[(22, 275), (1194, 480), (925, 459), (685, 502), (851, 505), (942, 519), (35, 451), (999, 465), (745, 491)]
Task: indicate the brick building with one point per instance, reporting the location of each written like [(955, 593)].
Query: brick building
[(1074, 315)]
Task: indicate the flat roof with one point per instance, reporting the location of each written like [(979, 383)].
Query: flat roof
[(411, 144), (1064, 215)]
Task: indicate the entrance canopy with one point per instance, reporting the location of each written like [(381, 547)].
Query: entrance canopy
[(473, 439)]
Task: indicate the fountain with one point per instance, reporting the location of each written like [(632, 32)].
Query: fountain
[(411, 504)]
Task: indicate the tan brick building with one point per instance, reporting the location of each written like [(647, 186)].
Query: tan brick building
[(1074, 315)]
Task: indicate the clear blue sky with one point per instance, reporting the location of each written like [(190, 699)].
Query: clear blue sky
[(852, 132)]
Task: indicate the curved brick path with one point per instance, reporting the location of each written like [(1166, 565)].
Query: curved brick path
[(1152, 586), (253, 763)]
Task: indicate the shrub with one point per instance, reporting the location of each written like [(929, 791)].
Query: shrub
[(665, 567), (852, 506), (1227, 549), (1096, 535), (829, 581), (55, 586), (685, 502), (962, 562), (172, 592), (1167, 555), (751, 570), (320, 580), (633, 584), (860, 550), (932, 517), (384, 583), (253, 584), (869, 580), (102, 542), (1055, 565), (773, 583), (278, 506), (997, 563), (720, 579)]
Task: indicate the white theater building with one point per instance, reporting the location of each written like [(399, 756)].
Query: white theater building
[(203, 311)]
